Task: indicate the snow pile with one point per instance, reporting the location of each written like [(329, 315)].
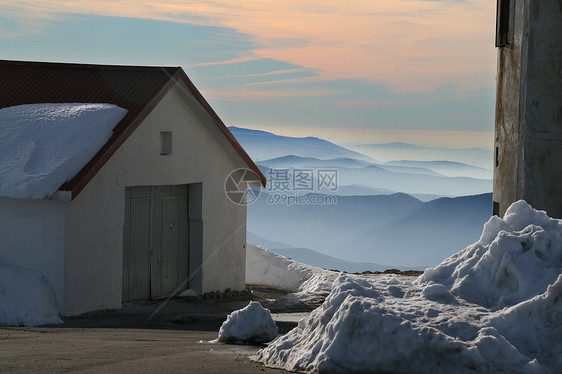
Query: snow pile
[(266, 268), (493, 307), (309, 284), (44, 145), (252, 324), (26, 299), (515, 259), (535, 326), (312, 291)]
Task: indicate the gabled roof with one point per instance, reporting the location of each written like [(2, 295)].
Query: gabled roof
[(135, 88)]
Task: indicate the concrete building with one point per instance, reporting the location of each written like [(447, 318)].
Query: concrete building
[(528, 130), (148, 215)]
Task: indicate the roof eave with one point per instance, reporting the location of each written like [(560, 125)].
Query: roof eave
[(221, 126), (85, 175)]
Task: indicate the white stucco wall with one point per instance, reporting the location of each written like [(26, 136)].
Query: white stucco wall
[(94, 228), (32, 237)]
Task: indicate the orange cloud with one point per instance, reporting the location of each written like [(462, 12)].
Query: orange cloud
[(451, 41), (227, 62), (227, 94)]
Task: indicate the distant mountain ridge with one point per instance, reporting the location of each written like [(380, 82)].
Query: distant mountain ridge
[(262, 145), (448, 168), (415, 146), (413, 177), (380, 177), (384, 229), (300, 161), (370, 223), (314, 258), (341, 162), (386, 152)]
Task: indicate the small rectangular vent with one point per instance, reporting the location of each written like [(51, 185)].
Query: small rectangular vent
[(165, 143)]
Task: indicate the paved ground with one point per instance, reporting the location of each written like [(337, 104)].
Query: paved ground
[(147, 337), (175, 340), (114, 350)]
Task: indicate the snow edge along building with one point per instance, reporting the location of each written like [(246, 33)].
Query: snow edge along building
[(528, 124), (149, 210)]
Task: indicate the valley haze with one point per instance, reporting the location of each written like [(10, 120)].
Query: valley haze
[(405, 213)]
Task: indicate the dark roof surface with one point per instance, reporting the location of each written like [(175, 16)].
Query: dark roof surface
[(136, 88)]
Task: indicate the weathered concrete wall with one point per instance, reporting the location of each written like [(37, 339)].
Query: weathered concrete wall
[(200, 154), (507, 139), (541, 126), (32, 237), (529, 109)]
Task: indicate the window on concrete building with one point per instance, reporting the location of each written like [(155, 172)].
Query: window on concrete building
[(165, 143), (503, 23), (495, 208)]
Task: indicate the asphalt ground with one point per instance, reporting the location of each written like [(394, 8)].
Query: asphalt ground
[(146, 337), (175, 339), (122, 350)]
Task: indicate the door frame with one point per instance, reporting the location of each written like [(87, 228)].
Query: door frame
[(194, 231)]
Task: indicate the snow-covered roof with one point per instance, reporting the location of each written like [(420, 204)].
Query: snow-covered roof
[(138, 89), (44, 145)]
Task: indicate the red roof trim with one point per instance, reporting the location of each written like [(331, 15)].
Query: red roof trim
[(85, 175), (220, 124)]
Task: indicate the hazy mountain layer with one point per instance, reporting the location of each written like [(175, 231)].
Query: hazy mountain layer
[(386, 229)]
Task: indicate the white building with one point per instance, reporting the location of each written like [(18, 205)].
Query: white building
[(148, 214)]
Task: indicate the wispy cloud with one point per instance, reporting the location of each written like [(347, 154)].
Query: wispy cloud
[(227, 94), (279, 82), (269, 73), (363, 40), (236, 60)]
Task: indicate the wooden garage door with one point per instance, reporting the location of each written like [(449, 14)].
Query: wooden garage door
[(155, 245)]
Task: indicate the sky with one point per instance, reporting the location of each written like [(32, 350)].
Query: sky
[(358, 71)]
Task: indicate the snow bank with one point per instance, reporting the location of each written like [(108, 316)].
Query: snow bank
[(494, 307), (26, 299), (312, 291), (252, 324), (266, 268), (44, 145), (535, 326), (308, 284), (515, 259)]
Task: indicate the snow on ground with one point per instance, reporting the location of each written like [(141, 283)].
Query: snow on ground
[(26, 298), (252, 324), (494, 307), (308, 284), (266, 268), (44, 145)]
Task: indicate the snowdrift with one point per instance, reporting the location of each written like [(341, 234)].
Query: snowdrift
[(494, 307), (252, 324), (26, 298), (306, 283), (44, 145), (266, 268)]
